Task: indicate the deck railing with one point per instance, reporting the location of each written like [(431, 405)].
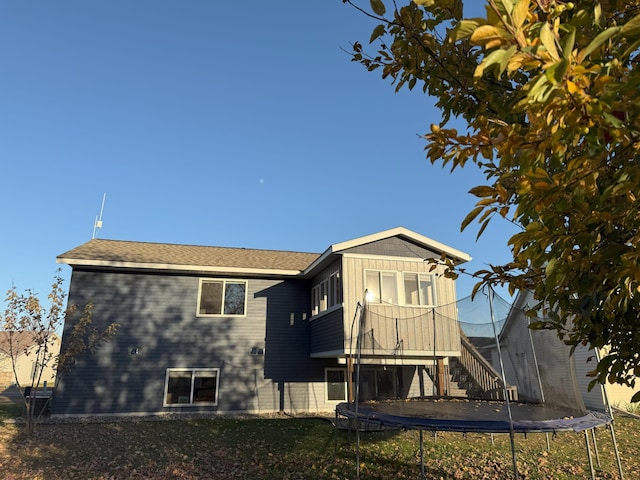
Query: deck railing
[(483, 380)]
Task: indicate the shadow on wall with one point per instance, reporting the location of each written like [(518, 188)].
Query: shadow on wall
[(287, 362), (159, 329)]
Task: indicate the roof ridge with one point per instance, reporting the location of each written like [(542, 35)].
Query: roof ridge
[(140, 242)]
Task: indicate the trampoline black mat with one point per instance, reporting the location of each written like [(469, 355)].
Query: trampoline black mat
[(472, 416)]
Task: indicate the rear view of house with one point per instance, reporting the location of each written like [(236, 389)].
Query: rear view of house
[(233, 330)]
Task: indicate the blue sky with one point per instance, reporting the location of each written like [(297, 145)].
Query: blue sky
[(240, 124)]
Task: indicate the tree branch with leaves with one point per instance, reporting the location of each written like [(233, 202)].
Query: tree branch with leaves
[(30, 329), (546, 92)]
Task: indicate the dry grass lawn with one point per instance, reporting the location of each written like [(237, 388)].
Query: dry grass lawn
[(287, 448)]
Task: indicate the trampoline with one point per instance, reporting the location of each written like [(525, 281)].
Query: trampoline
[(501, 360), (457, 415)]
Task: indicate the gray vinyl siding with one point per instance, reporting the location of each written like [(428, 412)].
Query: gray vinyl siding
[(327, 333), (585, 361), (393, 247), (326, 273), (157, 316)]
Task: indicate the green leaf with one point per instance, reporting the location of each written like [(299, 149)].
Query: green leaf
[(508, 6), (549, 269), (464, 29), (377, 32), (470, 217), (507, 56), (613, 120), (597, 42), (378, 7), (632, 27), (548, 39), (539, 89), (497, 56), (569, 43), (556, 72)]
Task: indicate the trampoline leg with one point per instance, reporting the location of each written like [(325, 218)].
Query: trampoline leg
[(357, 449), (586, 441), (512, 439), (493, 441), (422, 456), (548, 442), (335, 438), (595, 446), (615, 449)]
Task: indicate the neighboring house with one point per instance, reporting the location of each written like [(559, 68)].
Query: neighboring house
[(223, 330), (541, 366), (22, 347)]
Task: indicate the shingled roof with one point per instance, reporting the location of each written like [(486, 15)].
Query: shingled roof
[(118, 253)]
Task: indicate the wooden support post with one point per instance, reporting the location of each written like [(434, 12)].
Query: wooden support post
[(350, 381), (440, 377)]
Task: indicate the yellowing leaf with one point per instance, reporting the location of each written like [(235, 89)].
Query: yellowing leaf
[(486, 33), (632, 26), (548, 39), (482, 191), (520, 12), (464, 29), (424, 3), (572, 87), (470, 217)]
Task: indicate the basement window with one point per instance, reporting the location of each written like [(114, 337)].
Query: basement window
[(187, 386), (336, 382)]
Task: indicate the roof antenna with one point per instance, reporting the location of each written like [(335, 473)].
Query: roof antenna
[(97, 225)]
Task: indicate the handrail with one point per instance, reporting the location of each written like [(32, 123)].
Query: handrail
[(482, 373)]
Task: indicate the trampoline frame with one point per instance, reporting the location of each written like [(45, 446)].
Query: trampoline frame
[(372, 416), (369, 416)]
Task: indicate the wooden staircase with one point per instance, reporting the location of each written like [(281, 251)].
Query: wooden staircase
[(471, 375)]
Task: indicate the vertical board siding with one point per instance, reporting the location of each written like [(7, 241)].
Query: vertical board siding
[(414, 328), (157, 318)]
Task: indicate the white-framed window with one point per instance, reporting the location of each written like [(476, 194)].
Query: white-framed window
[(419, 289), (191, 386), (336, 384), (326, 294), (222, 297), (382, 286)]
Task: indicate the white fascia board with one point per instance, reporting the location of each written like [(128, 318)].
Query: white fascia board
[(175, 267), (398, 231), (404, 232)]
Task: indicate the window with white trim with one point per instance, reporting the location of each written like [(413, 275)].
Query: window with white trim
[(382, 287), (419, 289), (222, 297), (191, 386), (336, 384), (326, 294)]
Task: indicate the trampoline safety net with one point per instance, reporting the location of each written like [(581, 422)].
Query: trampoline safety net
[(472, 365)]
